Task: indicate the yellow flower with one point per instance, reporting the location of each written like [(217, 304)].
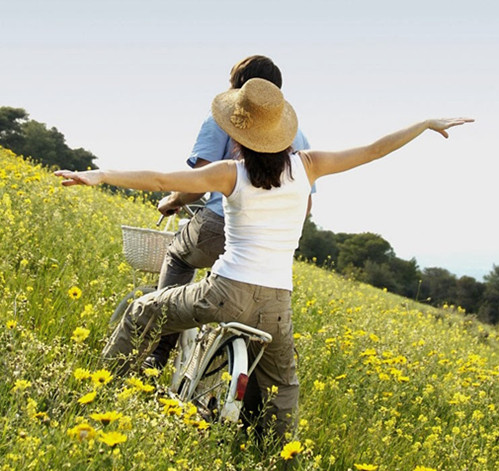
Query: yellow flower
[(125, 394), (123, 267), (81, 374), (183, 463), (319, 385), (366, 467), (31, 408), (112, 438), (101, 377), (423, 468), (12, 324), (139, 385), (74, 292), (82, 432), (21, 385), (273, 390), (41, 416), (189, 410), (309, 443), (226, 376), (291, 449), (80, 334), (107, 417), (171, 407), (87, 311), (87, 398), (148, 388), (152, 372), (199, 424), (459, 398), (125, 423)]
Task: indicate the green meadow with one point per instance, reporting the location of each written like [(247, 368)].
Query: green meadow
[(386, 384)]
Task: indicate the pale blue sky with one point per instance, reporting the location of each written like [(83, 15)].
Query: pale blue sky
[(131, 81)]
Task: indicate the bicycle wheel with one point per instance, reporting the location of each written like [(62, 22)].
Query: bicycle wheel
[(125, 302), (220, 390)]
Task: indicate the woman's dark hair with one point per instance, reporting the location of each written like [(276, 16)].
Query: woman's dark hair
[(255, 67), (266, 169)]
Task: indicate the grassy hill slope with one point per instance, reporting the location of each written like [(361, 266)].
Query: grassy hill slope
[(386, 383)]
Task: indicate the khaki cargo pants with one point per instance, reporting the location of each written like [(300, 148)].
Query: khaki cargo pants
[(218, 299)]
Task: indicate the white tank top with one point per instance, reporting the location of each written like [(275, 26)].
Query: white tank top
[(263, 228)]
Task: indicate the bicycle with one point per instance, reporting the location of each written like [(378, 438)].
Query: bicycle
[(211, 367)]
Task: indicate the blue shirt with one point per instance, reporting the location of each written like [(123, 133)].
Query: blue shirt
[(213, 144)]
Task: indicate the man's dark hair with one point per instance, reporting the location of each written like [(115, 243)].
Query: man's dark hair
[(255, 67)]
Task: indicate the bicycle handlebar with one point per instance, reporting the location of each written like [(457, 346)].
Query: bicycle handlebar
[(171, 212)]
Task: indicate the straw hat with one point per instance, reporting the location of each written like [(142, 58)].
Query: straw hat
[(257, 116)]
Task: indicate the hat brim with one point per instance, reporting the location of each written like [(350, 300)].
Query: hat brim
[(259, 136)]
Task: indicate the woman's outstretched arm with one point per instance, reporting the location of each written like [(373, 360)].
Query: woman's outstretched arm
[(219, 176), (320, 163)]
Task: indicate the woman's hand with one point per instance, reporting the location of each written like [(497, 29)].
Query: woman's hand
[(90, 177), (440, 125)]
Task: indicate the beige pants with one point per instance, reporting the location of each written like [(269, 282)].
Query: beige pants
[(218, 299)]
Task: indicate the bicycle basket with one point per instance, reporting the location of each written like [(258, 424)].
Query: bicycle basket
[(145, 249)]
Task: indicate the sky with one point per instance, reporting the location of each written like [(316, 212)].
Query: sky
[(132, 80)]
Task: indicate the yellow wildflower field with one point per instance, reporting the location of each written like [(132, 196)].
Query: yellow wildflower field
[(386, 384)]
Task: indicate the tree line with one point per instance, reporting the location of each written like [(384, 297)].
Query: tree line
[(369, 258), (33, 139), (364, 257)]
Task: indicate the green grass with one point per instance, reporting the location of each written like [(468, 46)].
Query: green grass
[(386, 383)]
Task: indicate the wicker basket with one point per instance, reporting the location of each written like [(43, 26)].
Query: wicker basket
[(145, 249)]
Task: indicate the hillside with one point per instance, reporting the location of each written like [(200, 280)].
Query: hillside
[(386, 384)]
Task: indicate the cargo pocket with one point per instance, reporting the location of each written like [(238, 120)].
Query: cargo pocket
[(220, 301), (279, 361)]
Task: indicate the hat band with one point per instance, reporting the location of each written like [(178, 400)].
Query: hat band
[(241, 118)]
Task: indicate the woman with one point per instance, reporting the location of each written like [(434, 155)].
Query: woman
[(265, 202), (202, 240)]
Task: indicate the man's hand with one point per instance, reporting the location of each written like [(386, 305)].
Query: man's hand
[(169, 205)]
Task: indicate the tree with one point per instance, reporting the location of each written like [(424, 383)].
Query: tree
[(81, 157), (407, 276), (317, 245), (379, 275), (11, 121), (439, 285), (41, 144), (32, 139), (489, 309), (469, 294), (358, 248)]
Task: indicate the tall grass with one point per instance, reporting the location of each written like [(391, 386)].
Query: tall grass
[(386, 383)]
